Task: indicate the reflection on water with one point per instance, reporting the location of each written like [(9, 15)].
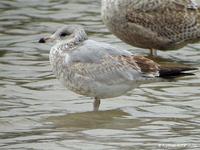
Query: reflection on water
[(37, 113), (113, 119)]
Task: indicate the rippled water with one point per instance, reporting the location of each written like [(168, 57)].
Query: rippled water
[(37, 113)]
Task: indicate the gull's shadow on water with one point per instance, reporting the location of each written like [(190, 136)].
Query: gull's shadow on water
[(111, 119)]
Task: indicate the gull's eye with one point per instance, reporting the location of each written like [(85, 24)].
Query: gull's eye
[(63, 34)]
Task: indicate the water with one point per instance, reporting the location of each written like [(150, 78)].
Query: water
[(37, 113)]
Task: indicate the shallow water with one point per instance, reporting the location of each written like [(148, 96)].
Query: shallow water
[(37, 113)]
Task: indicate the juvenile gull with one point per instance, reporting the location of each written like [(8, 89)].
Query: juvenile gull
[(97, 69), (153, 24)]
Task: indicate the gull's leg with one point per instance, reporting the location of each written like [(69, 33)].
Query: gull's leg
[(153, 52), (96, 104)]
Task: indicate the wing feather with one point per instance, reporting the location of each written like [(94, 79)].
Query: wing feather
[(173, 20), (115, 70)]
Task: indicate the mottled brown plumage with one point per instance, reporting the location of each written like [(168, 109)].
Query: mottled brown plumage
[(146, 65), (97, 69), (153, 24)]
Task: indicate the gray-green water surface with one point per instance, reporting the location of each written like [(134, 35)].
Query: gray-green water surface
[(37, 113)]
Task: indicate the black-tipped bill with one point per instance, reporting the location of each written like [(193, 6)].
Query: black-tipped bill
[(42, 40)]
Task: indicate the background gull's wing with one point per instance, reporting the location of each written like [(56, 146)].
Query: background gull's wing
[(174, 21)]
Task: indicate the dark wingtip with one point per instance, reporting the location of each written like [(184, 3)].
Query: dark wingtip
[(166, 72), (42, 40)]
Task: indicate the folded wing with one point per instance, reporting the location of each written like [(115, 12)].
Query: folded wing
[(116, 70), (173, 20)]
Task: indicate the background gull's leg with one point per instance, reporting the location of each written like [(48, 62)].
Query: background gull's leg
[(96, 104)]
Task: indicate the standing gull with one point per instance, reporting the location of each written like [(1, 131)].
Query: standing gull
[(153, 24), (97, 69)]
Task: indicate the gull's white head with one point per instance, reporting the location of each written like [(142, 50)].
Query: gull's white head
[(75, 32)]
